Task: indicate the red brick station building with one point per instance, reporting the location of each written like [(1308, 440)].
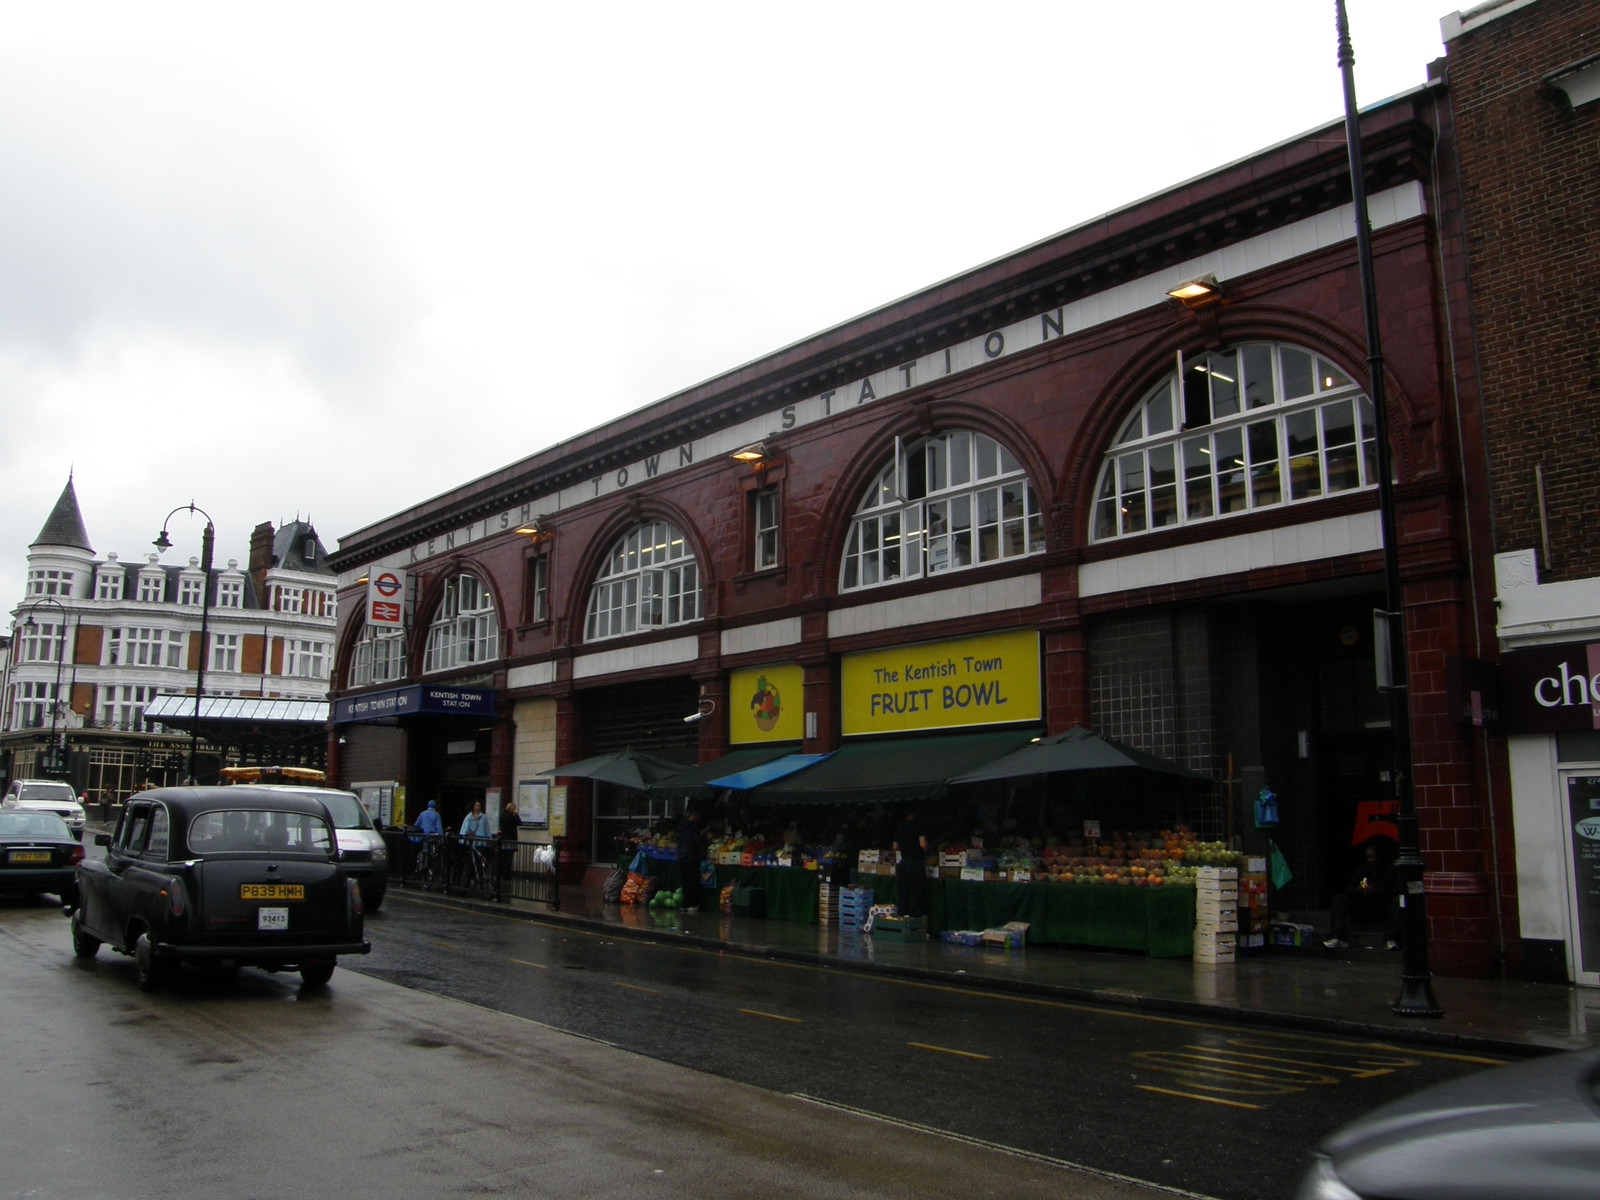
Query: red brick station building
[(1045, 493)]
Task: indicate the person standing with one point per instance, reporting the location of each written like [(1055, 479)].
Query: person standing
[(510, 822), (476, 824), (691, 851), (430, 822), (911, 866)]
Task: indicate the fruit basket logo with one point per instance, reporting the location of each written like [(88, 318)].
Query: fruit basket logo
[(765, 706)]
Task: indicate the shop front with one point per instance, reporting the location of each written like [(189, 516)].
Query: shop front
[(1546, 699)]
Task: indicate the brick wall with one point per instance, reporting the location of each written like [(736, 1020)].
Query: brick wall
[(1530, 170)]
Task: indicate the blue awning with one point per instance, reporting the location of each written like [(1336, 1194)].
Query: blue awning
[(766, 772)]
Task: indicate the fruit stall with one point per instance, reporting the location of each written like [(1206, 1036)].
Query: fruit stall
[(1127, 891)]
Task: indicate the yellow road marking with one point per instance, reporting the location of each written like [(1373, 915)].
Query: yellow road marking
[(522, 962), (634, 987), (1192, 1096), (444, 945), (1108, 1009), (947, 1050), (756, 1012)]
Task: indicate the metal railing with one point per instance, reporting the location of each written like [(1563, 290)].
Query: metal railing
[(487, 868)]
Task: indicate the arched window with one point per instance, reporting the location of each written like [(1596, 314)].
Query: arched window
[(650, 580), (1250, 427), (945, 503), (378, 657), (465, 629)]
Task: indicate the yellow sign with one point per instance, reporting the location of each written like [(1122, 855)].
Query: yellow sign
[(767, 704), (986, 680)]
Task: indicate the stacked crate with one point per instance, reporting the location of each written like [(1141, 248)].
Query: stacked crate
[(853, 905), (1216, 914), (1254, 916)]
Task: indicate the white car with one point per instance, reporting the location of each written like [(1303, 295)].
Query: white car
[(362, 850), (46, 795)]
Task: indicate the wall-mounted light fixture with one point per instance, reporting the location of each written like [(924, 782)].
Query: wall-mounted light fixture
[(754, 454), (537, 530), (707, 707), (1197, 292)]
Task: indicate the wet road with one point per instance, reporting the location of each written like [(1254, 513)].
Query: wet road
[(224, 1087), (1215, 1109)]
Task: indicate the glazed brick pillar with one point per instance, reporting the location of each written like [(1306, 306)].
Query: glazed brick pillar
[(1066, 678), (1452, 797)]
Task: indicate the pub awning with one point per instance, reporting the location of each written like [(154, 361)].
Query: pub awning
[(178, 711), (696, 782), (892, 771)]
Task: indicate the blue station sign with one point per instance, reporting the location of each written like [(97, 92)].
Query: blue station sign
[(418, 700)]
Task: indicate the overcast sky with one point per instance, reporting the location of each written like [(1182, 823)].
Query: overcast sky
[(330, 259)]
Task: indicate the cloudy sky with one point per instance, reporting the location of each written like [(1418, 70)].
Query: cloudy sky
[(330, 259)]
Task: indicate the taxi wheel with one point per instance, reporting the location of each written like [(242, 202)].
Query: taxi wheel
[(315, 974), (83, 945), (152, 971), (373, 902)]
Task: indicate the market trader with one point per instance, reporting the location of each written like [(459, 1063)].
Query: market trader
[(911, 867)]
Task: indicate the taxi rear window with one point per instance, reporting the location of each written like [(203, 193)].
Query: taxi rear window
[(257, 831)]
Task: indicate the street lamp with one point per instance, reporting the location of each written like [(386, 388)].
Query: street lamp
[(61, 654), (1416, 997), (207, 545)]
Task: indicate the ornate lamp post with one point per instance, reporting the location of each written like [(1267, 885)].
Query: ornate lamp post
[(207, 546), (1416, 997)]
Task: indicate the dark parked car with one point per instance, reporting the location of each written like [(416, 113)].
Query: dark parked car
[(1529, 1131), (232, 876), (38, 853)]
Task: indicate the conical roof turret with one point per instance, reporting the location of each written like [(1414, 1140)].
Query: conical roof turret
[(64, 526)]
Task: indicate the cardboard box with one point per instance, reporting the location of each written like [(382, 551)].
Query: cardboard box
[(1217, 875), (1021, 876), (1216, 956), (1213, 927), (867, 858)]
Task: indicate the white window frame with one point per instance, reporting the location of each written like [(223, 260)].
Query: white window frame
[(108, 583), (152, 587), (651, 580), (224, 652), (305, 658), (379, 657), (764, 525), (1254, 426), (950, 502), (465, 630), (230, 593)]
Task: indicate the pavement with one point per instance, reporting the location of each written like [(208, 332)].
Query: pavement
[(1345, 992)]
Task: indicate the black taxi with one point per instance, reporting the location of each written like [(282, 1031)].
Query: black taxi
[(232, 876)]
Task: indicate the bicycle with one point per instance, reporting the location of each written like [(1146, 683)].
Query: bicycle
[(476, 872), (430, 863)]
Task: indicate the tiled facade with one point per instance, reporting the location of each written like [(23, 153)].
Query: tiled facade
[(1237, 644)]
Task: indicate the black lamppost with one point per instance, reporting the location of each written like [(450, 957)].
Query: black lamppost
[(54, 756), (207, 545), (1416, 989)]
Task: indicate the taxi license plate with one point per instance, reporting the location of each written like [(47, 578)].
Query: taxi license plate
[(272, 918), (30, 856), (272, 891)]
